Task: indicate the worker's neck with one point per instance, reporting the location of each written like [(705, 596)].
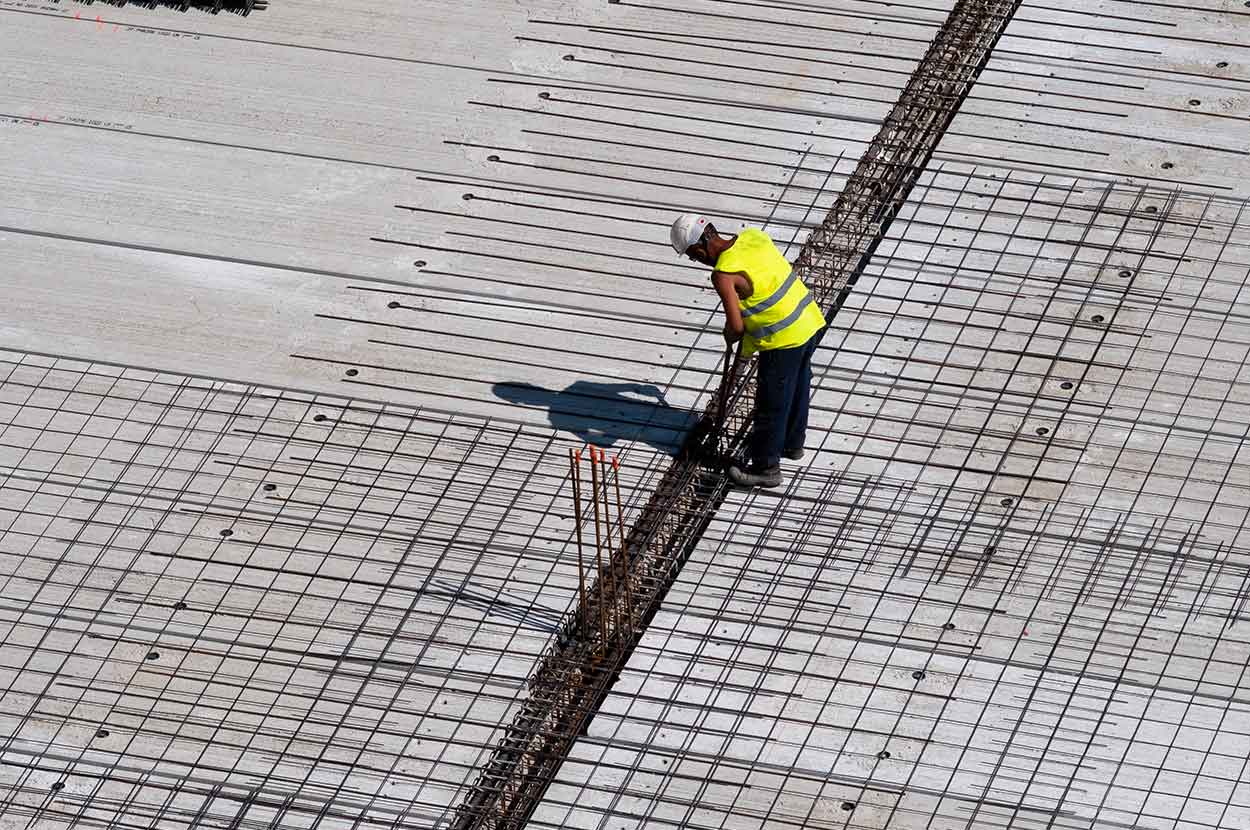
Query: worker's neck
[(719, 244)]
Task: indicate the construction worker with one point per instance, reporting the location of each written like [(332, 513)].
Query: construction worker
[(767, 310)]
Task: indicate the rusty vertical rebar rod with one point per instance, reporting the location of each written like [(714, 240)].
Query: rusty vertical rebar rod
[(614, 612), (599, 582), (575, 472), (620, 526)]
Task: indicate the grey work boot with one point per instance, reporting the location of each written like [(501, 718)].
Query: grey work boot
[(794, 455), (755, 477)]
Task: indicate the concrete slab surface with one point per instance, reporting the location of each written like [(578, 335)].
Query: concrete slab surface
[(396, 260)]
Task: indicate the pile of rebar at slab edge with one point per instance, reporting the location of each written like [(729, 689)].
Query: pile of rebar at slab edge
[(243, 7)]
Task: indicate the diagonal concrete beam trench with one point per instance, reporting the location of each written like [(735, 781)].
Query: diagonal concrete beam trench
[(598, 638)]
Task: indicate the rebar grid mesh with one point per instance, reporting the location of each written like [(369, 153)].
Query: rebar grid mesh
[(225, 605), (1018, 598)]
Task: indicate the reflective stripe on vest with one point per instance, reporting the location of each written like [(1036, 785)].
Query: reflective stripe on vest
[(760, 334), (773, 298)]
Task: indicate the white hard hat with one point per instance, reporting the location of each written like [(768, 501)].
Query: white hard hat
[(687, 229)]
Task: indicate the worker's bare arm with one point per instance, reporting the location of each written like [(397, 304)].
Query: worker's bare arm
[(725, 285)]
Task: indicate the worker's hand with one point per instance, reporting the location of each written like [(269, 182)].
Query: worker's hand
[(731, 336)]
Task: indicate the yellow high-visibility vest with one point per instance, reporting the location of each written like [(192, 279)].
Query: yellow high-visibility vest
[(780, 313)]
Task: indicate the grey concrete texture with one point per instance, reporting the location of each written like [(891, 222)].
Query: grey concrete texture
[(192, 198), (250, 195)]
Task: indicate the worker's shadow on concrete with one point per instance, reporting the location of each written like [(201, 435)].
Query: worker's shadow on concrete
[(605, 413)]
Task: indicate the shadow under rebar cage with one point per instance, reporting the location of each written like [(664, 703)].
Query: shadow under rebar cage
[(243, 7), (574, 676)]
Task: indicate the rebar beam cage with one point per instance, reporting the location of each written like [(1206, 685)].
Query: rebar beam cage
[(575, 675)]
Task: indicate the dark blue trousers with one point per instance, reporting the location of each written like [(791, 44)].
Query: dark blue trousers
[(782, 396)]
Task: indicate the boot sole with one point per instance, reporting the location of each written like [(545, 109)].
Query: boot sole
[(751, 481)]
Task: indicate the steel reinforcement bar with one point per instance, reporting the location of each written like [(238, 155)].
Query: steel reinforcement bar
[(574, 676), (243, 7)]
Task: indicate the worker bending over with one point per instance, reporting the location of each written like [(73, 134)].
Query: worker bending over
[(767, 310)]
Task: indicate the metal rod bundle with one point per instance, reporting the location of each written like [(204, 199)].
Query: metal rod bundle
[(243, 7)]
